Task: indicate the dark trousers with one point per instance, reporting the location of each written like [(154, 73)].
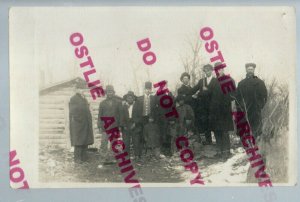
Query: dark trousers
[(127, 135), (137, 143), (208, 137), (80, 153), (223, 141)]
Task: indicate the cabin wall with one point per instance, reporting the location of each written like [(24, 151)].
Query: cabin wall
[(54, 117)]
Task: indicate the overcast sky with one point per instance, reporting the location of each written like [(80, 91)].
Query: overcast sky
[(39, 38)]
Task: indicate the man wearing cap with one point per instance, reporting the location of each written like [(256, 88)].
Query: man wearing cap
[(220, 118), (81, 128), (251, 97), (110, 107), (127, 123), (145, 107), (203, 90)]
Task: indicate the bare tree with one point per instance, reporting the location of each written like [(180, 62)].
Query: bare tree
[(192, 61)]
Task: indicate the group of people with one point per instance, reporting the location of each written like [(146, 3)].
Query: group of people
[(203, 110)]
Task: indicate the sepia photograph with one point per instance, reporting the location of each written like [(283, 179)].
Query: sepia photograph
[(154, 96)]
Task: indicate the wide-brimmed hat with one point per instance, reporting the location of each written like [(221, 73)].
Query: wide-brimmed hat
[(130, 93), (217, 64), (185, 74), (250, 64), (109, 88)]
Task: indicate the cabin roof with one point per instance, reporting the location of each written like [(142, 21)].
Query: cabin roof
[(62, 84)]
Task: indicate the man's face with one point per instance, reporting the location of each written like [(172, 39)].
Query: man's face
[(207, 72), (185, 80), (250, 71), (221, 71), (129, 100), (147, 91), (110, 94)]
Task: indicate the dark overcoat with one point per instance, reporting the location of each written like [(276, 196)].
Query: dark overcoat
[(110, 107), (203, 103), (220, 117), (251, 97), (81, 128)]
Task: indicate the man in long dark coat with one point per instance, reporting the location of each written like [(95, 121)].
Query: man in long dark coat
[(251, 97), (144, 107), (81, 129), (220, 118), (110, 107), (203, 90)]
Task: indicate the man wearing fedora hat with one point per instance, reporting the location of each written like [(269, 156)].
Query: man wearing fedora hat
[(251, 98), (110, 107), (81, 129), (127, 124), (203, 89)]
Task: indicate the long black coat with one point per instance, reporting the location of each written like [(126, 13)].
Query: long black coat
[(81, 129), (220, 117), (110, 108), (252, 96), (203, 103)]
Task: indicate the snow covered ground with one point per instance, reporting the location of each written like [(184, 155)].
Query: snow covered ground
[(218, 172)]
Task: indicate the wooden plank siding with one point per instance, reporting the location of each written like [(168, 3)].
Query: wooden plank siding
[(54, 116)]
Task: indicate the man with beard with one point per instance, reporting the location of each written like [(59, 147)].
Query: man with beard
[(203, 90), (220, 118), (81, 129), (110, 107), (251, 98)]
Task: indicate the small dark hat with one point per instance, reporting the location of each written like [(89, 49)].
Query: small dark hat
[(130, 93), (250, 64), (180, 97), (208, 66), (217, 64), (109, 88), (184, 74), (148, 85)]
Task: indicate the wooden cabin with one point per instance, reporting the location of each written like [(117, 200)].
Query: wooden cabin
[(54, 114)]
